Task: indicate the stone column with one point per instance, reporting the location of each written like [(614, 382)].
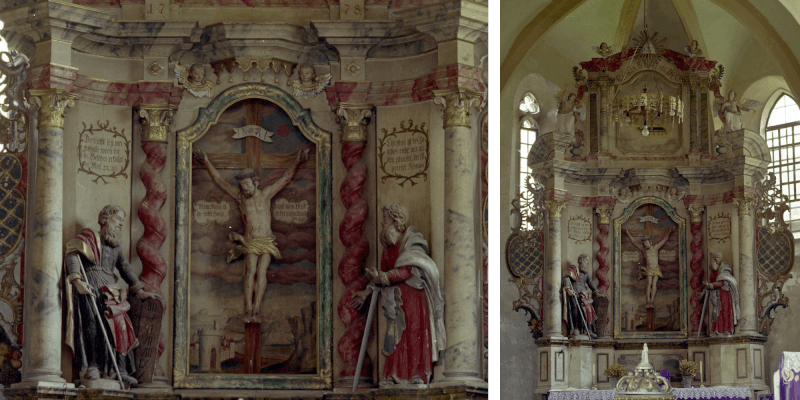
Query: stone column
[(461, 290), (42, 303), (747, 280), (552, 283), (155, 119), (354, 119)]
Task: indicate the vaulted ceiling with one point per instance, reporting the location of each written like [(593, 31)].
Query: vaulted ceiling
[(753, 39)]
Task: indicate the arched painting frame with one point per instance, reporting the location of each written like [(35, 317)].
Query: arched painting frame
[(301, 118), (619, 295)]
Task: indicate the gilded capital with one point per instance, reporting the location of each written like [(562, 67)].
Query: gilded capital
[(354, 119), (52, 106), (696, 214), (555, 207), (155, 120), (744, 204), (456, 103), (603, 215)]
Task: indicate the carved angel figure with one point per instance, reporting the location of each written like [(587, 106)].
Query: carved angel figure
[(730, 111), (194, 80), (567, 111), (604, 49), (693, 50), (309, 85), (674, 195), (624, 194)]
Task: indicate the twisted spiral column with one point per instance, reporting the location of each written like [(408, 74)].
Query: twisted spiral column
[(603, 283), (696, 264), (155, 119), (353, 119), (603, 220)]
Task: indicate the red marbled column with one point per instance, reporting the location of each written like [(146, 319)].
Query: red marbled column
[(154, 267), (603, 283), (696, 265), (155, 127), (351, 266), (602, 253)]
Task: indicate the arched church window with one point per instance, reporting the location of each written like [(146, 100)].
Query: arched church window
[(528, 130), (783, 139)]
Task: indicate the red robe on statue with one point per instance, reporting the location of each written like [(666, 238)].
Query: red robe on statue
[(412, 354), (724, 323)]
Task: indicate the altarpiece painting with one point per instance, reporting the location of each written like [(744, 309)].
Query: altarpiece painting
[(256, 134), (650, 225)]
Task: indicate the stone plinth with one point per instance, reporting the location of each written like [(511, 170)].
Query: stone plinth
[(40, 390), (580, 364), (552, 359), (740, 362)]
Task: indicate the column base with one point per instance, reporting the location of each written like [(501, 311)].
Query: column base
[(40, 390)]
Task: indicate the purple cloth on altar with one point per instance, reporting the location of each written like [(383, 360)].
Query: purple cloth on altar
[(664, 373), (789, 384)]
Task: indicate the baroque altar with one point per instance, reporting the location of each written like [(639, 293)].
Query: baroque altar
[(641, 222)]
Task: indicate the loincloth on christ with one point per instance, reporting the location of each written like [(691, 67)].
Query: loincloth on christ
[(649, 271), (258, 246)]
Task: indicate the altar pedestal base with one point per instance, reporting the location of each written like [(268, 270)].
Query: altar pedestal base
[(580, 364), (553, 365), (737, 361)]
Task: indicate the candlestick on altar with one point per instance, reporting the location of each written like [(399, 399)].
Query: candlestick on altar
[(594, 374)]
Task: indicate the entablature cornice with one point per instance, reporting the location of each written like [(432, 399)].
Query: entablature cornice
[(461, 19)]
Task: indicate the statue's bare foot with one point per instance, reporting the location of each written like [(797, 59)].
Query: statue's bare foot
[(256, 317), (92, 374), (248, 316)]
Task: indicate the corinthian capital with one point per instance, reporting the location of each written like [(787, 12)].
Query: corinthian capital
[(52, 106), (155, 120), (744, 204), (555, 207), (354, 119), (456, 103)]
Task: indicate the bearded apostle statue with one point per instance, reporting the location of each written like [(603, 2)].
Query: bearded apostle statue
[(724, 297)]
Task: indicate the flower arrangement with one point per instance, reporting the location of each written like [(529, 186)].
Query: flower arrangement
[(688, 368), (615, 371)]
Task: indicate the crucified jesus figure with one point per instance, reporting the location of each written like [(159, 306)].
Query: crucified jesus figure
[(651, 269), (258, 243)]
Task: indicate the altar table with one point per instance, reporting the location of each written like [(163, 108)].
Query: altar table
[(707, 393)]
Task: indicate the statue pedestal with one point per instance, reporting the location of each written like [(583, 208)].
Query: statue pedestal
[(580, 364), (552, 358), (740, 361)]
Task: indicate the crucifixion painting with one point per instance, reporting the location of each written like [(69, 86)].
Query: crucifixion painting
[(650, 270), (253, 288)]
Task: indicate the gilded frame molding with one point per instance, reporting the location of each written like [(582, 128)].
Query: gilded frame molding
[(301, 118), (684, 296)]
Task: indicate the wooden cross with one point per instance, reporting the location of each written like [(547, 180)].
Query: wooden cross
[(253, 157)]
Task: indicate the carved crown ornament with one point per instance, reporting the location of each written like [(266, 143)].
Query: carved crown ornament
[(52, 106), (456, 103), (626, 194), (246, 63)]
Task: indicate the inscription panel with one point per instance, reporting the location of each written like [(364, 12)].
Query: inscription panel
[(719, 227), (403, 153), (103, 152)]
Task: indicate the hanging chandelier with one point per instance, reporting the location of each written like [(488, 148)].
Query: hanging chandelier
[(655, 108)]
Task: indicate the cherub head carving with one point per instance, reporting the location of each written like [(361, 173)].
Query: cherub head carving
[(306, 73), (197, 74)]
